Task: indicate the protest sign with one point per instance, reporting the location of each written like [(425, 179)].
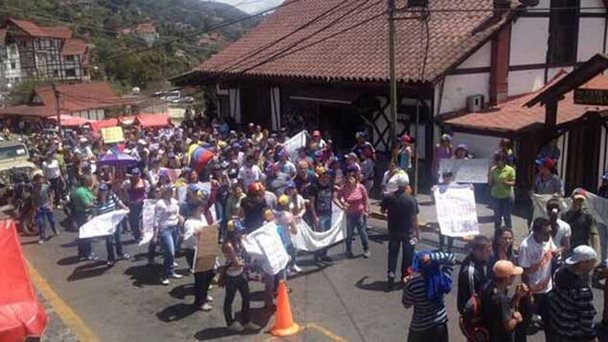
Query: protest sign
[(265, 245), (206, 251), (102, 225), (596, 206), (456, 211), (308, 240), (147, 225), (111, 135), (466, 170), (294, 143)]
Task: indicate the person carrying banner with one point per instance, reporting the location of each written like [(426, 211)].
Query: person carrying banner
[(582, 223), (446, 179), (107, 202), (166, 222), (402, 217), (354, 200), (200, 218), (425, 289), (83, 201), (322, 200)]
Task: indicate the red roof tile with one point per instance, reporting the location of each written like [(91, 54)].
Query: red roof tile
[(349, 41), (513, 115), (74, 47), (598, 82), (72, 98), (43, 31)]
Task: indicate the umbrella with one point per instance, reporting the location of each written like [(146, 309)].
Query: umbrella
[(117, 160)]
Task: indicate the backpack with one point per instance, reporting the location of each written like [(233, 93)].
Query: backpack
[(471, 322)]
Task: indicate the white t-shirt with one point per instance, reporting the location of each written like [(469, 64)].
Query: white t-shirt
[(249, 175), (166, 213), (537, 257), (190, 227), (563, 230), (51, 170)]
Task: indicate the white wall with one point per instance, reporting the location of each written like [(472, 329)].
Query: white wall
[(590, 37), (480, 59), (522, 82), (458, 87), (529, 41), (479, 146)]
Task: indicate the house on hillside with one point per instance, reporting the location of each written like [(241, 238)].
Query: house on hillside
[(147, 32), (86, 100), (325, 64), (32, 52)]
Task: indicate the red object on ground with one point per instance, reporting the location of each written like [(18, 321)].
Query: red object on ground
[(153, 120), (72, 121), (98, 125), (21, 315)]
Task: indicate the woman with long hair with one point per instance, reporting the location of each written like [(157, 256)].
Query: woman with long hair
[(502, 248), (354, 200)]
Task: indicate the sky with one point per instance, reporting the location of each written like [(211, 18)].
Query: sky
[(252, 6)]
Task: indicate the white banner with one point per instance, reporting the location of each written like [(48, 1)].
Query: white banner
[(147, 225), (596, 206), (265, 245), (456, 210), (466, 170), (294, 143), (308, 240), (102, 225)]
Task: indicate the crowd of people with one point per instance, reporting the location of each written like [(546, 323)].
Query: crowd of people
[(254, 179)]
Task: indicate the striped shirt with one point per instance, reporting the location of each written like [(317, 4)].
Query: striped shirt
[(110, 205), (571, 307), (427, 314)]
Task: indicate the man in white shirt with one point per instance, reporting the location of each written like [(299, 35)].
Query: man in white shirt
[(249, 173), (52, 172), (535, 256), (560, 230)]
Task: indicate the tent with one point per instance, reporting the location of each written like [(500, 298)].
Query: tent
[(21, 315), (98, 125), (153, 120), (72, 121)]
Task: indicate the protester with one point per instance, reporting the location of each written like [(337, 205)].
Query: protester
[(571, 301), (108, 202), (353, 199), (52, 172), (473, 270), (535, 255), (402, 220), (322, 202), (83, 201), (502, 249), (547, 182), (253, 207), (461, 152), (447, 178), (502, 182), (235, 280), (389, 180), (286, 226), (499, 311), (405, 154), (582, 223), (136, 189), (443, 150), (166, 222), (42, 196), (425, 290), (249, 173), (560, 230)]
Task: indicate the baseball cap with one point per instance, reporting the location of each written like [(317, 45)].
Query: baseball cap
[(505, 269), (406, 138), (579, 194), (446, 137), (462, 147), (545, 162), (580, 254)]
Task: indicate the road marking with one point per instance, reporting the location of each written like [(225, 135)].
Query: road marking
[(67, 315), (325, 332)]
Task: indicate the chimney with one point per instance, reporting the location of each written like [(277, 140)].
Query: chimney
[(499, 69)]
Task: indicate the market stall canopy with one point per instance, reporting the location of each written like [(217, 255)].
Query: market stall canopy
[(72, 121), (98, 125), (153, 120), (21, 315)]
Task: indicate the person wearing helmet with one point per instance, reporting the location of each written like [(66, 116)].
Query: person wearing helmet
[(402, 217)]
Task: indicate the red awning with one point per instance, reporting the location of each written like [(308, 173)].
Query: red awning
[(21, 315), (98, 125), (153, 120), (72, 121)]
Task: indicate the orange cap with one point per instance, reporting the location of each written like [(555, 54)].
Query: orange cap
[(505, 269)]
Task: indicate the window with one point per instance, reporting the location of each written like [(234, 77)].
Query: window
[(69, 58), (13, 65), (70, 72), (563, 32)]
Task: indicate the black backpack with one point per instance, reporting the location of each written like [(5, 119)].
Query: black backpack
[(471, 323)]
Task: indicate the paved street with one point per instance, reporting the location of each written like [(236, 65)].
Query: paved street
[(344, 300)]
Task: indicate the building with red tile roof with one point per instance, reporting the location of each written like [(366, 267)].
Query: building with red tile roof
[(32, 51)]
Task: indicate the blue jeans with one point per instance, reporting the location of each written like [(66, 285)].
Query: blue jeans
[(135, 210), (324, 225), (41, 213), (502, 209), (168, 238), (114, 242), (356, 221)]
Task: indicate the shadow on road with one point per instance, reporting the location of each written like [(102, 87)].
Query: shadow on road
[(260, 316), (88, 271), (67, 261), (144, 275), (176, 312), (378, 286), (181, 291)]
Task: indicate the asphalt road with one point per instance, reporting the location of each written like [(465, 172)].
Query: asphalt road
[(344, 300)]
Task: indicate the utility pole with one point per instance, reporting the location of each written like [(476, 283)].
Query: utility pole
[(57, 108), (393, 77)]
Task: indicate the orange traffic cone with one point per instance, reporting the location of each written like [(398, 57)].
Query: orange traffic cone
[(284, 324)]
